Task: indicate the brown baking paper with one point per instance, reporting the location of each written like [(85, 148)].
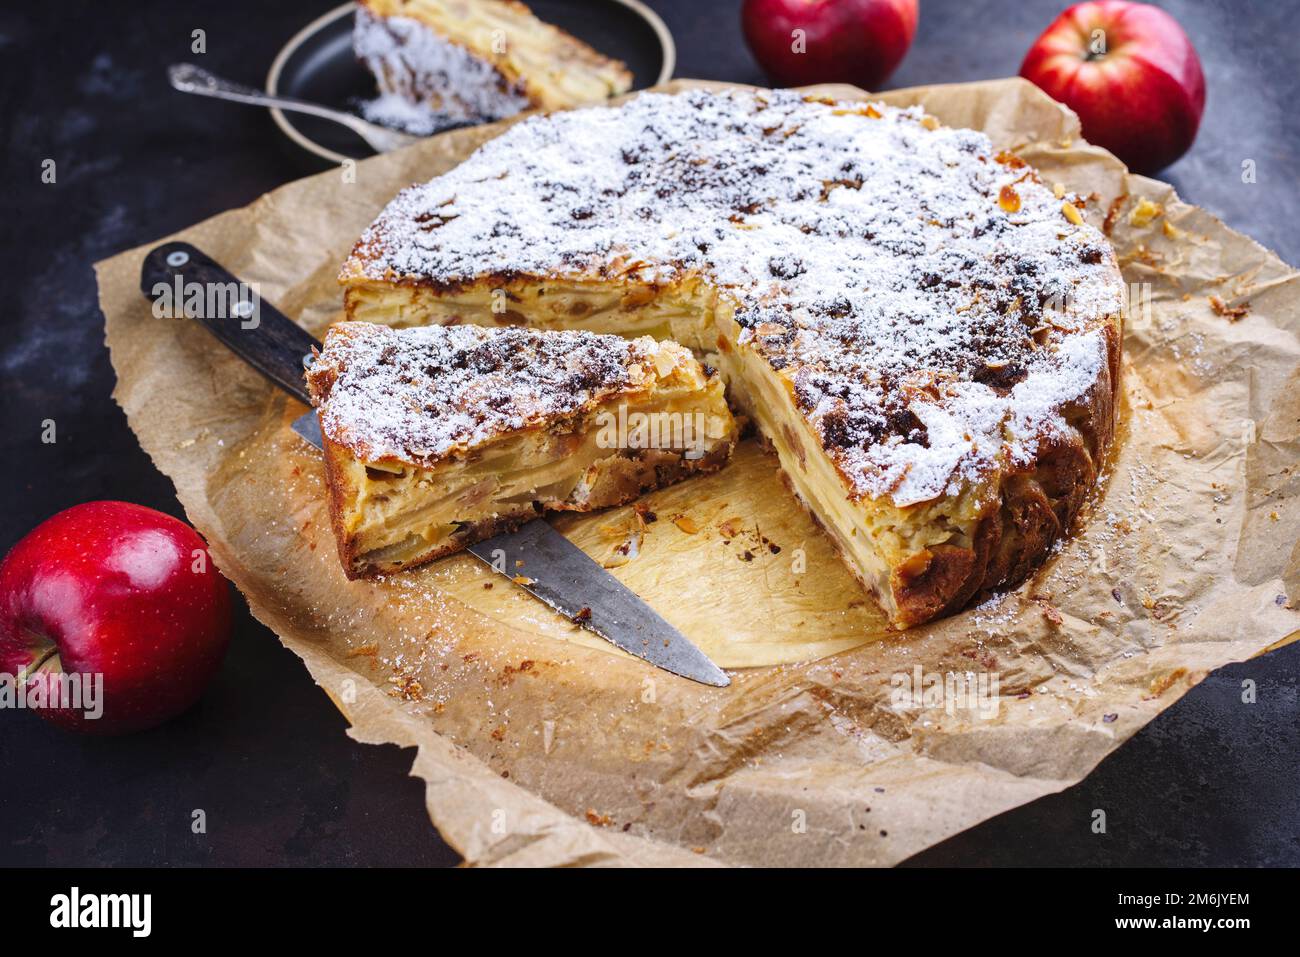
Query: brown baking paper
[(541, 745)]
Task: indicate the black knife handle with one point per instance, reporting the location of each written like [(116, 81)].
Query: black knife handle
[(248, 325)]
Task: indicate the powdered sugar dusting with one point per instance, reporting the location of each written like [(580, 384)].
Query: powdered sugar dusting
[(929, 333), (419, 395)]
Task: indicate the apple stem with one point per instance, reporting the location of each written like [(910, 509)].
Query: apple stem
[(51, 662), (45, 650)]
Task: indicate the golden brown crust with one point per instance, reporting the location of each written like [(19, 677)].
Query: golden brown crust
[(1035, 507), (922, 585), (341, 489)]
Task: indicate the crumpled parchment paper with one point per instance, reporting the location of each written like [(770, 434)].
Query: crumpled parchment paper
[(540, 745)]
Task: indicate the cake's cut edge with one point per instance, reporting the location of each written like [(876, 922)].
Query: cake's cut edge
[(438, 437)]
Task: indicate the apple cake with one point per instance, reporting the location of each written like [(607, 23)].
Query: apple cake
[(926, 334), (439, 62), (439, 437)]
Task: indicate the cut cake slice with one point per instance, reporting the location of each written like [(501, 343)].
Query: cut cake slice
[(438, 437), (438, 62)]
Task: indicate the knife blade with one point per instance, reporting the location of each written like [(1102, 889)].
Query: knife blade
[(536, 556), (553, 569), (307, 426)]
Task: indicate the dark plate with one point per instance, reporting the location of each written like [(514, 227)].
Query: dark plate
[(318, 65)]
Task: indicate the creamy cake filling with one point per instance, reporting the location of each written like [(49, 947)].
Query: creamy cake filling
[(682, 314), (400, 515)]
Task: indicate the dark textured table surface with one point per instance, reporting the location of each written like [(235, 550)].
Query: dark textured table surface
[(1210, 781)]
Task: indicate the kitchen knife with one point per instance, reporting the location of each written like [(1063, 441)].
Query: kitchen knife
[(182, 280)]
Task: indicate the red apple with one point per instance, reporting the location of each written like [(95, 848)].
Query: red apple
[(799, 42), (1131, 74), (117, 595)]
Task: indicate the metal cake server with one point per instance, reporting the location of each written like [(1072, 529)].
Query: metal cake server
[(536, 556), (189, 78)]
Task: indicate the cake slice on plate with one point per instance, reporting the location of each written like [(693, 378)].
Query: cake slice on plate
[(438, 437), (439, 62)]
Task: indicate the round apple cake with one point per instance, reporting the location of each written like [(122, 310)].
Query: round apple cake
[(926, 334)]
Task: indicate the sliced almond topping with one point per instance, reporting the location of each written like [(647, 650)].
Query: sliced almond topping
[(1072, 213)]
